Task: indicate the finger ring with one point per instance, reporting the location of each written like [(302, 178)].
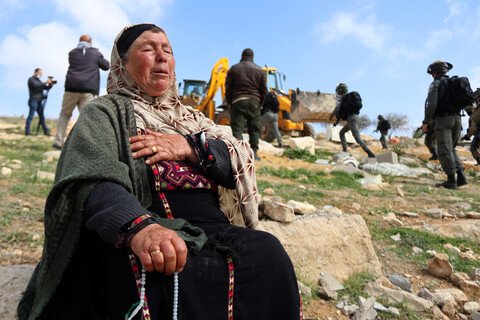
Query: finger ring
[(153, 252), (154, 149)]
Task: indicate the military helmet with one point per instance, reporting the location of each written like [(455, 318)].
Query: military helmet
[(380, 117), (439, 67), (341, 88)]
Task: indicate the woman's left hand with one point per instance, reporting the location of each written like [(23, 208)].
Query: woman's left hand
[(161, 146)]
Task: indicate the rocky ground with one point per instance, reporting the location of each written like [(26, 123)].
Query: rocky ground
[(23, 197)]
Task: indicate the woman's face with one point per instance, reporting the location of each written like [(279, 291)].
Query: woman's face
[(151, 64)]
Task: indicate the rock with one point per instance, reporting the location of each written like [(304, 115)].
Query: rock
[(410, 214), (350, 309), (475, 275), (327, 281), (475, 316), (356, 206), (379, 307), (366, 310), (425, 294), (302, 143), (471, 307), (448, 308), (401, 282), (439, 267), (42, 175), (332, 210), (375, 180), (472, 215), (389, 157), (350, 169), (269, 191), (417, 250), (400, 192), (13, 281), (395, 222), (394, 311), (326, 293), (441, 295), (322, 162), (54, 154), (304, 290), (434, 213), (464, 229), (457, 277), (279, 211), (335, 244), (461, 205), (438, 314), (301, 207), (397, 237), (6, 172), (467, 256), (452, 248), (470, 287), (398, 296)]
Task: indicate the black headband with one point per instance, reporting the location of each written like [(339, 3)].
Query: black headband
[(130, 35)]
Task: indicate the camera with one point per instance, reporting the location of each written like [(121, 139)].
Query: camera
[(53, 81)]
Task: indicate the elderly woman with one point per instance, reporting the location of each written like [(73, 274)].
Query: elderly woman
[(153, 210)]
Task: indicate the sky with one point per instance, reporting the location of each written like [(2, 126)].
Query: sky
[(379, 48)]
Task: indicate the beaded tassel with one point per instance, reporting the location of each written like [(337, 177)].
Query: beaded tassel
[(142, 296), (175, 295)]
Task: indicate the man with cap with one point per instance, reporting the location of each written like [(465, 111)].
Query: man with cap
[(82, 83), (448, 125), (246, 90)]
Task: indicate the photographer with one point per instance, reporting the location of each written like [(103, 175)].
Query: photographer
[(82, 83), (37, 99)]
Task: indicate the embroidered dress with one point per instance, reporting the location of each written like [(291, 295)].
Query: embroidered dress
[(239, 274)]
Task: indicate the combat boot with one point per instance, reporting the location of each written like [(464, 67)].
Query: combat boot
[(451, 183), (461, 179), (478, 161), (370, 154), (434, 156)]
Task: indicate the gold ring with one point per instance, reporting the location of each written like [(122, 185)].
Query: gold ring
[(153, 252), (154, 149)]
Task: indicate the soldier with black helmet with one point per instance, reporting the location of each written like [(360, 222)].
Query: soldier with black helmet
[(383, 126), (448, 125), (352, 120)]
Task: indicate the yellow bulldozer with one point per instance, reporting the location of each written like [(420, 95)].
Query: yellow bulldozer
[(296, 108)]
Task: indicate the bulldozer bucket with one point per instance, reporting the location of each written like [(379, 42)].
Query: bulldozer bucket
[(312, 106)]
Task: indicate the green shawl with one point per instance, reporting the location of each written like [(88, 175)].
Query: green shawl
[(97, 149)]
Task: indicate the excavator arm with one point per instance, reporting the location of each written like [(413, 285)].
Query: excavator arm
[(217, 81)]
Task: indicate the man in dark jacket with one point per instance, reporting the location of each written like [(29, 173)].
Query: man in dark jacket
[(82, 83), (383, 126), (269, 117), (448, 125), (36, 101), (246, 89)]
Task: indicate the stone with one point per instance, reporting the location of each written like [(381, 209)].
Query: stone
[(401, 282), (439, 267), (269, 191), (379, 307), (366, 310), (322, 162), (395, 222), (417, 250), (395, 296), (6, 172), (461, 205), (302, 207), (397, 237), (471, 307), (457, 295), (350, 309), (327, 281), (375, 180), (448, 308), (332, 210), (335, 244), (394, 311), (326, 293), (467, 256), (435, 213), (304, 290), (475, 275), (400, 192), (425, 294), (457, 277), (302, 143), (475, 316), (472, 215), (53, 154), (43, 175), (410, 214), (451, 247), (389, 157), (279, 211), (356, 206), (13, 282), (438, 314), (470, 287), (332, 134)]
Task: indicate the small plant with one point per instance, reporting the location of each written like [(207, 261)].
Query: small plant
[(355, 285), (300, 154)]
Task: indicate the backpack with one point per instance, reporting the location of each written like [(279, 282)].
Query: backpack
[(351, 104), (384, 125), (460, 93), (271, 103)]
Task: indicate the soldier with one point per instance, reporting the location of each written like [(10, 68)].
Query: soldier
[(474, 129), (383, 126), (448, 125), (344, 111)]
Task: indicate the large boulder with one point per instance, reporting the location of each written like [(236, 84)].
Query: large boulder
[(335, 244)]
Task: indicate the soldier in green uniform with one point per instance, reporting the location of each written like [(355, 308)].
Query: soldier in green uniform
[(448, 125)]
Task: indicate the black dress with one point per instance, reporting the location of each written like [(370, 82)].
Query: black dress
[(239, 274)]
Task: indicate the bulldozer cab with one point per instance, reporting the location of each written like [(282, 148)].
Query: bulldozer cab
[(193, 91), (274, 80)]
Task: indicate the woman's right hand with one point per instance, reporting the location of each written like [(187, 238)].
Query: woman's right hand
[(160, 249)]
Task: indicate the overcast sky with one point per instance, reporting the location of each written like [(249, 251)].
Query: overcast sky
[(379, 48)]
